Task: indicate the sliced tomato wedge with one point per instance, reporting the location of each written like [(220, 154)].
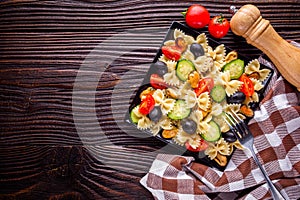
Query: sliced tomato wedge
[(203, 145), (171, 52), (147, 104), (247, 88), (157, 82), (204, 85)]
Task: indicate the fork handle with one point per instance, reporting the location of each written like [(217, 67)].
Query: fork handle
[(275, 193)]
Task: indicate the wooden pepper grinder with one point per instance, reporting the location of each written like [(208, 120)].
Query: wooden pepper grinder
[(248, 22)]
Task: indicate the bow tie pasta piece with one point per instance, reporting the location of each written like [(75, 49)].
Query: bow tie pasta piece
[(182, 137), (204, 64), (194, 141), (257, 84), (216, 109), (171, 65), (142, 121), (204, 124), (191, 99), (164, 123), (254, 67), (183, 90), (219, 54), (171, 78), (166, 104), (180, 34), (202, 40), (231, 86), (221, 146), (158, 96), (204, 102)]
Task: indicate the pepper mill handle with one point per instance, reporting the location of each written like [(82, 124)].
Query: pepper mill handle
[(248, 23)]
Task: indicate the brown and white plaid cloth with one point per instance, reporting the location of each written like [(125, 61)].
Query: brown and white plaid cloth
[(276, 128)]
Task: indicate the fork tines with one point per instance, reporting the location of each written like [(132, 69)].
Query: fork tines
[(236, 124)]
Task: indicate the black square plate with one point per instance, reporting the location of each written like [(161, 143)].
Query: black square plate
[(199, 156)]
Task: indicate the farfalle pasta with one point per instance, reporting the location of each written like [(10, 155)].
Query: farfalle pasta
[(164, 123), (166, 104), (191, 99), (204, 101), (216, 109), (204, 64), (221, 146), (202, 40), (143, 121), (193, 85), (231, 86), (253, 67), (218, 54)]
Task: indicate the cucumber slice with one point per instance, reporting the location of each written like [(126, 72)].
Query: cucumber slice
[(133, 117), (214, 132), (184, 68), (235, 67), (218, 93), (180, 110)]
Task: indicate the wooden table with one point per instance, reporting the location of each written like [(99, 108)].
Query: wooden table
[(68, 70)]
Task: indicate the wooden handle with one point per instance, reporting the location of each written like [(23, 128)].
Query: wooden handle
[(248, 22)]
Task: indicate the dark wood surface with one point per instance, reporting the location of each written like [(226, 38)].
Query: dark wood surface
[(62, 134)]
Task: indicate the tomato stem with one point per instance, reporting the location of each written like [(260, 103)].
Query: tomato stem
[(220, 19), (184, 13)]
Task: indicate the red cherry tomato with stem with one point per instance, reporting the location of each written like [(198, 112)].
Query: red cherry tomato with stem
[(196, 16), (218, 26), (204, 85), (247, 88), (147, 104)]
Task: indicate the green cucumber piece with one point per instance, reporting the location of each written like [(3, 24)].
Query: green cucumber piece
[(235, 67), (133, 117), (218, 93), (184, 68), (180, 110), (214, 132)]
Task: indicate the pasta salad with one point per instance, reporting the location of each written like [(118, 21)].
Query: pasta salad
[(191, 87)]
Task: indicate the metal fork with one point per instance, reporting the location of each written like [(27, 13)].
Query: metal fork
[(245, 137)]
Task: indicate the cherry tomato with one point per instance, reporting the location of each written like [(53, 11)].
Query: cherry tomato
[(204, 85), (203, 145), (247, 88), (171, 52), (157, 82), (218, 26), (147, 104), (196, 16)]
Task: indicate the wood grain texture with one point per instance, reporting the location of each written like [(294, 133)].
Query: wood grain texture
[(58, 142)]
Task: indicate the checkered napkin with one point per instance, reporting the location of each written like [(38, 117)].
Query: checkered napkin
[(276, 128)]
